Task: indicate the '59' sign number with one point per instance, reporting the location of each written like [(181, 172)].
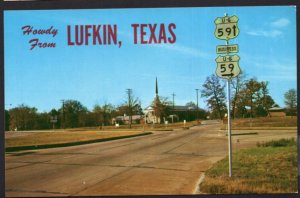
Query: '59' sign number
[(226, 27)]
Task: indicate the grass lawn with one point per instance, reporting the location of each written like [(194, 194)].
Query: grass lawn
[(264, 123), (269, 168), (17, 141), (44, 138)]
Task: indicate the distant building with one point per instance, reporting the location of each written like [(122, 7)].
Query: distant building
[(177, 113), (136, 119), (277, 112)]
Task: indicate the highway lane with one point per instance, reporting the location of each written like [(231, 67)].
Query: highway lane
[(163, 163)]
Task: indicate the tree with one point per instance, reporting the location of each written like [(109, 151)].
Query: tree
[(133, 104), (215, 94), (42, 121), (162, 107), (255, 95), (192, 111), (123, 109), (266, 100), (22, 117), (191, 104), (291, 101), (103, 114), (7, 120), (72, 111), (238, 84), (53, 113), (252, 94)]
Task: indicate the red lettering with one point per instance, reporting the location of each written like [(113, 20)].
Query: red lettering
[(77, 35), (143, 33), (96, 34), (135, 26), (173, 38), (27, 29), (152, 33), (104, 34), (162, 34), (35, 42), (69, 36), (112, 34), (87, 34)]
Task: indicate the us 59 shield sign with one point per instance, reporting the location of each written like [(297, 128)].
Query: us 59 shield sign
[(226, 27), (228, 66)]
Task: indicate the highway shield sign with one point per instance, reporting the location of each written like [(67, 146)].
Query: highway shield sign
[(226, 27), (228, 66)]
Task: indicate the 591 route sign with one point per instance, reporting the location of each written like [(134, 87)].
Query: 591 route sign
[(226, 27), (228, 66)]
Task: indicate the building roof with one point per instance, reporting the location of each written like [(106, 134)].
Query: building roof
[(276, 109), (134, 117), (176, 108)]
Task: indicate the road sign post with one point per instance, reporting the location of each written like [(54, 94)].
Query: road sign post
[(229, 129), (228, 65)]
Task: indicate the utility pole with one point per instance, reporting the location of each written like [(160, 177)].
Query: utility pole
[(129, 93), (63, 114), (197, 106), (173, 94)]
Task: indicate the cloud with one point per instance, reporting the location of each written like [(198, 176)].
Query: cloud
[(271, 33), (274, 31), (279, 69), (280, 23)]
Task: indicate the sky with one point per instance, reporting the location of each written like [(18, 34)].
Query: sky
[(99, 74)]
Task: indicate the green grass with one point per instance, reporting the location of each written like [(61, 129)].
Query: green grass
[(270, 168)]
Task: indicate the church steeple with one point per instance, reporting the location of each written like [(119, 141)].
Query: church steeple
[(156, 88)]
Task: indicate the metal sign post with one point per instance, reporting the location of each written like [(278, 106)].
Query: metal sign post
[(229, 129), (227, 66)]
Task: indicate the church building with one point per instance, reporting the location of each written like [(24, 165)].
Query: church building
[(159, 113)]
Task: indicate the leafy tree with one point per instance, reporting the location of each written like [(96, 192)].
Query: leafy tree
[(291, 101), (103, 114), (252, 94), (265, 102), (237, 84), (191, 104), (55, 114), (7, 120), (123, 109), (162, 107), (215, 94), (72, 112), (255, 95), (192, 111), (22, 117), (42, 121), (133, 105)]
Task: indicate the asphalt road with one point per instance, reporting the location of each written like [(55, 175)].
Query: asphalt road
[(164, 163)]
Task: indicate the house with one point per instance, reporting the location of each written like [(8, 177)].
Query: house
[(277, 112), (136, 119)]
